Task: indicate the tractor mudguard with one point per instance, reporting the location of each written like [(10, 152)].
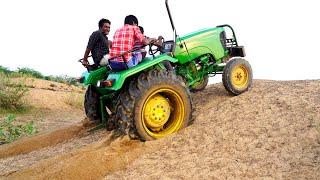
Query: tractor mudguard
[(119, 77), (93, 77)]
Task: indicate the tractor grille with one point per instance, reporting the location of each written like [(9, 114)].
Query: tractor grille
[(223, 40)]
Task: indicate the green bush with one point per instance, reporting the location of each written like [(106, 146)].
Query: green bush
[(31, 72), (5, 70), (71, 80), (62, 79), (10, 132), (11, 93), (28, 72)]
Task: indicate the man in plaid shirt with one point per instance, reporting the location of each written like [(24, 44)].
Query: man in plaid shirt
[(124, 40)]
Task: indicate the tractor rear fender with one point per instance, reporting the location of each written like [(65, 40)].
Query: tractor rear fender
[(118, 78), (93, 77)]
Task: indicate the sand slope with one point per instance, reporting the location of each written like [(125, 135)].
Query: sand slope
[(272, 131)]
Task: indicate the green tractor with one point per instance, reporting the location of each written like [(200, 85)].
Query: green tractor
[(150, 100)]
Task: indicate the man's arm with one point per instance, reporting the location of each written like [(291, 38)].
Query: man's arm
[(147, 41), (91, 43), (85, 57), (157, 42), (140, 37), (109, 44)]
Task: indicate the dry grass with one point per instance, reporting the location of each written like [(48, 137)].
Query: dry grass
[(74, 99), (12, 93), (317, 125), (47, 104)]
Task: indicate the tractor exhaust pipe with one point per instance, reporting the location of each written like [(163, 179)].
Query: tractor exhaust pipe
[(171, 21)]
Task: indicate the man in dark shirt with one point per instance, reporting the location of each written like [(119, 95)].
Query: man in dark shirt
[(98, 43)]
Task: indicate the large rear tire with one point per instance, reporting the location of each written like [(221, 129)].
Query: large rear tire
[(91, 104), (156, 104), (237, 76)]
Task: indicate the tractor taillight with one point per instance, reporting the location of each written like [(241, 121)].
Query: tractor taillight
[(106, 83)]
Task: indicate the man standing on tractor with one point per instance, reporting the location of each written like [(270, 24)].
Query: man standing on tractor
[(124, 40), (98, 44)]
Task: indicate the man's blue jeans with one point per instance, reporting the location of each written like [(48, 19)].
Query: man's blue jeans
[(119, 66)]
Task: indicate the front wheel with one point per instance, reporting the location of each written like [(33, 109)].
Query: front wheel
[(157, 104), (237, 76)]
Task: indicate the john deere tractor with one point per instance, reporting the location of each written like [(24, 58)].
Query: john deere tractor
[(150, 100)]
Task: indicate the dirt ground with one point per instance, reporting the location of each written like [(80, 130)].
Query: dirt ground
[(269, 132), (47, 104)]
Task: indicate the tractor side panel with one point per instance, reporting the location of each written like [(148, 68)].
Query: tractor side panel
[(202, 42)]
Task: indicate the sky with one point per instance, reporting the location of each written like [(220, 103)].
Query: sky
[(281, 37)]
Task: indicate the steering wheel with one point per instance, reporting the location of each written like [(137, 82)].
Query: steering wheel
[(155, 47)]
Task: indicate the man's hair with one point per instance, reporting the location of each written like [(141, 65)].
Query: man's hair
[(141, 29), (102, 21), (130, 20)]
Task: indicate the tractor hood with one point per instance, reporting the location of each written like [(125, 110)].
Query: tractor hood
[(195, 44), (201, 33)]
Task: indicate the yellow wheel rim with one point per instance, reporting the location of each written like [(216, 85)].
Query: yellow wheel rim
[(163, 113), (240, 77)]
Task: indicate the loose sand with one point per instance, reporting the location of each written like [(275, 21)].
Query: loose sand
[(271, 131)]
